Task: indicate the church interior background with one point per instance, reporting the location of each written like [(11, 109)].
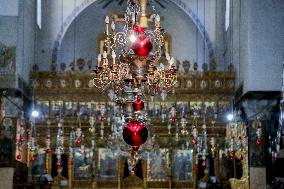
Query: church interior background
[(139, 94)]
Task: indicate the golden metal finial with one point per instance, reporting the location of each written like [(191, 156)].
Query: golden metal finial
[(143, 21)]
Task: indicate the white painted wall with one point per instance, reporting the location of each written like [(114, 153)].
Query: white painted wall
[(9, 7), (258, 44), (26, 39), (8, 30), (265, 44)]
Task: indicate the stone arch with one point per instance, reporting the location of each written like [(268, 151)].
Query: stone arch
[(80, 8)]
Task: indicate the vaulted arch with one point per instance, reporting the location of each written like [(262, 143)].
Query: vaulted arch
[(86, 3)]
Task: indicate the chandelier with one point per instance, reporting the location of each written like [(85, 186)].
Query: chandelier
[(133, 57), (131, 65)]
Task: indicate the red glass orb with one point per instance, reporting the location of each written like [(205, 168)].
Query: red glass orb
[(258, 142), (58, 164), (138, 104), (232, 158), (102, 119), (241, 157), (173, 120), (135, 133), (194, 141), (203, 165), (142, 46), (19, 156), (21, 139), (232, 152), (139, 29), (196, 169), (48, 150), (32, 158), (158, 90), (78, 141)]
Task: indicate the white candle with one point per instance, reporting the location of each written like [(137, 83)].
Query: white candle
[(99, 59), (172, 61), (107, 23), (157, 18), (112, 25), (167, 56), (105, 54), (107, 20)]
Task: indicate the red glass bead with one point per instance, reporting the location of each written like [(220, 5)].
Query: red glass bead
[(196, 169), (78, 141), (232, 158), (102, 119), (241, 157), (158, 90), (135, 133), (48, 150), (173, 119), (258, 142), (19, 156), (194, 141), (232, 152), (33, 158), (203, 165), (142, 46), (58, 164), (138, 104), (139, 29)]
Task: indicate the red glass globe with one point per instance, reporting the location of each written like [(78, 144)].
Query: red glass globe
[(48, 150), (58, 164), (258, 142), (203, 165), (194, 141), (138, 104), (135, 133), (78, 141), (232, 152), (142, 46)]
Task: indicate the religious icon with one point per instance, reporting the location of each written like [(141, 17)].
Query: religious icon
[(38, 164), (157, 167), (70, 109), (56, 108), (85, 109), (43, 107), (108, 164), (83, 163), (182, 166)]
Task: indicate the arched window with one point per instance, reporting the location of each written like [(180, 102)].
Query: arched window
[(38, 13)]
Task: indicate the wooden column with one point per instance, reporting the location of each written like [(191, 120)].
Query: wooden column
[(70, 172), (216, 165), (1, 109)]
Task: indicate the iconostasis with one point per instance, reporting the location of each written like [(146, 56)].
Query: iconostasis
[(86, 126)]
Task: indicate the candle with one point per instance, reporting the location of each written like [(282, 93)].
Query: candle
[(167, 56), (113, 57), (112, 26), (107, 23), (99, 59), (171, 62), (105, 61), (157, 20)]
